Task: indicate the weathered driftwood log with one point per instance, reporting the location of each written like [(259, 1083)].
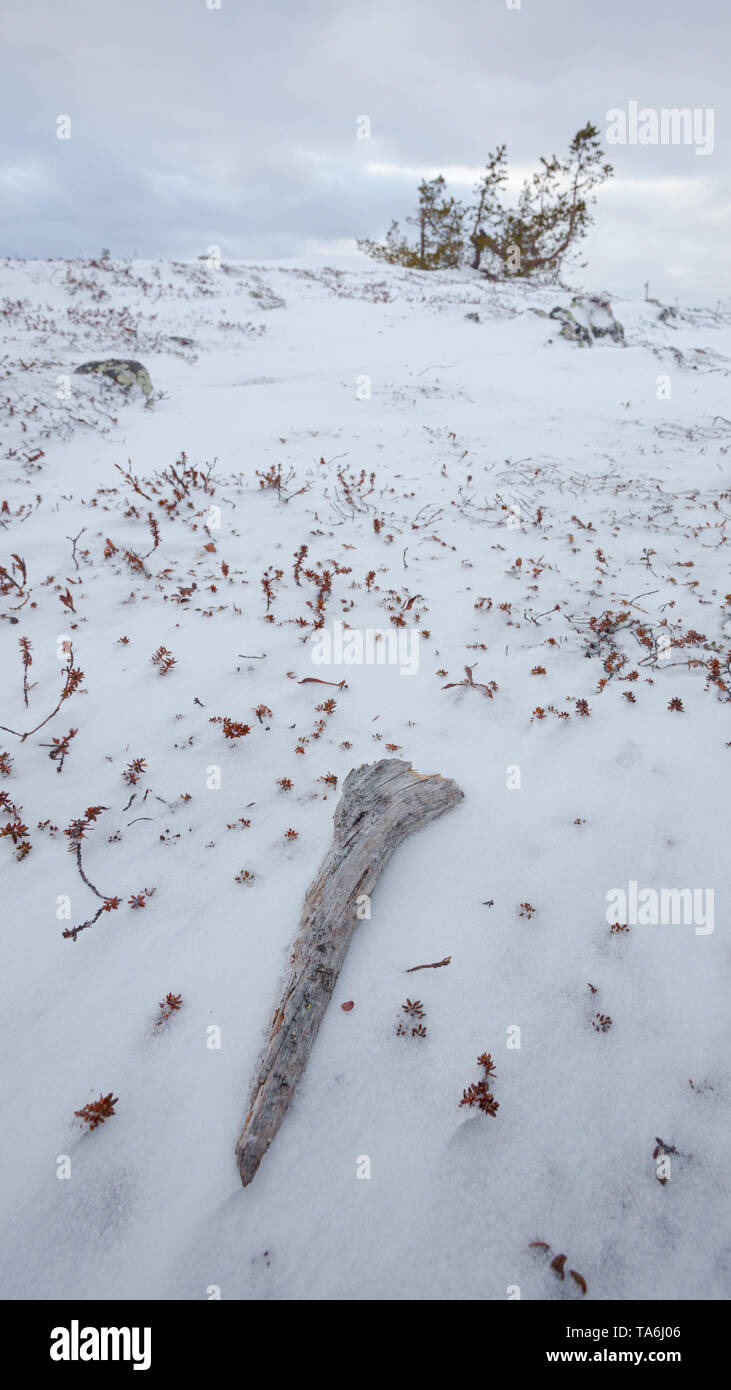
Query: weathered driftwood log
[(380, 805)]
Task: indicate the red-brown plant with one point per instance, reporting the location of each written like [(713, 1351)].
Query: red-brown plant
[(97, 1111), (479, 1093)]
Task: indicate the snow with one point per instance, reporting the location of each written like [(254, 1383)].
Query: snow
[(490, 442)]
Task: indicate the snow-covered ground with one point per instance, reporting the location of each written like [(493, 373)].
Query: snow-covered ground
[(555, 518)]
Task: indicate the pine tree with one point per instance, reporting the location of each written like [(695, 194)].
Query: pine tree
[(552, 214), (533, 241), (488, 211), (440, 237)]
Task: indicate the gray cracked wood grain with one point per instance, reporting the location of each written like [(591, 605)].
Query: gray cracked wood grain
[(380, 805)]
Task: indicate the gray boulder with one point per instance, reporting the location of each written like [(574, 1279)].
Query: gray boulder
[(588, 317), (120, 370)]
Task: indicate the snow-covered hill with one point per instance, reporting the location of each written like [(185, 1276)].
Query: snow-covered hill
[(383, 449)]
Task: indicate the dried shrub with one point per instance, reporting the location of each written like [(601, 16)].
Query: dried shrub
[(557, 1264), (601, 1023), (168, 1006), (15, 829), (27, 660), (134, 770), (138, 900), (163, 660), (97, 1111), (488, 689), (232, 728), (73, 678), (479, 1093), (270, 577), (414, 1011), (60, 748)]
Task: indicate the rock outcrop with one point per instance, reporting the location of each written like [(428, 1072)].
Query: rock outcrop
[(588, 317)]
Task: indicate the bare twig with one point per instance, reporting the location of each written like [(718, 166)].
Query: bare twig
[(437, 964), (73, 540)]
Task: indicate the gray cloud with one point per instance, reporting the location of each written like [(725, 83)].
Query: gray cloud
[(237, 127)]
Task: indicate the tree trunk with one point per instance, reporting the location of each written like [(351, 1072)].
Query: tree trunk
[(381, 803)]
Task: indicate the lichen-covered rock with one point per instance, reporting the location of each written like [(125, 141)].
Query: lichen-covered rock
[(571, 327), (122, 371), (588, 317)]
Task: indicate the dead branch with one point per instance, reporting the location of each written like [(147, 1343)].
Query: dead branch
[(381, 804), (437, 964)]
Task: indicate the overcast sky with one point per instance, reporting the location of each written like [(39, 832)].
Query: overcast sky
[(236, 126)]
